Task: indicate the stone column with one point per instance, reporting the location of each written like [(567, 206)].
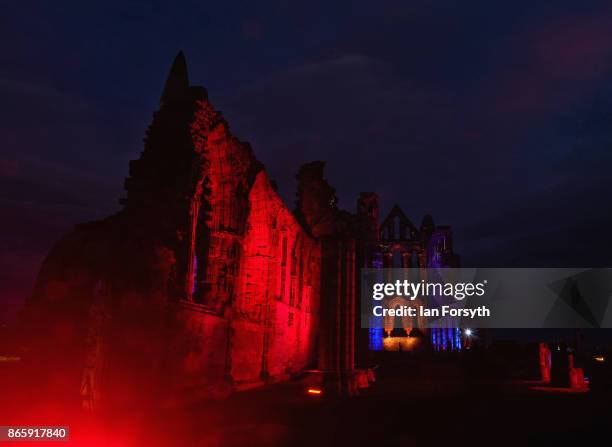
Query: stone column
[(337, 324)]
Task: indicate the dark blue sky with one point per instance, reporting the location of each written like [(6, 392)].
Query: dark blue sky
[(496, 117)]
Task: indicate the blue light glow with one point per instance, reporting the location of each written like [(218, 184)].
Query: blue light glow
[(375, 339)]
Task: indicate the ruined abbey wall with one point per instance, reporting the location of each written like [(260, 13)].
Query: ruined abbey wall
[(205, 282)]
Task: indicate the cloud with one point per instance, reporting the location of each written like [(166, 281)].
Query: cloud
[(252, 29), (564, 226), (48, 181), (552, 65), (9, 168), (376, 129)]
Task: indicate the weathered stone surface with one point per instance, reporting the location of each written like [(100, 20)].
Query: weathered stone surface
[(204, 282)]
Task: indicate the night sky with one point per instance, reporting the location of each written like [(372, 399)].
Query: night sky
[(494, 117)]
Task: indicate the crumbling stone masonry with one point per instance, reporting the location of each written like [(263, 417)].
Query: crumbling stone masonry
[(204, 282)]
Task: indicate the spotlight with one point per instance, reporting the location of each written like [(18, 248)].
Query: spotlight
[(468, 332)]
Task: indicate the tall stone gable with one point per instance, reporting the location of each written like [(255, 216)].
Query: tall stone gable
[(204, 282)]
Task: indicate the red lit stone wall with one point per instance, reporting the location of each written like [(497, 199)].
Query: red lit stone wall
[(203, 283), (276, 309), (259, 269)]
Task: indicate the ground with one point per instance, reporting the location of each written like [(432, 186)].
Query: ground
[(441, 401)]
